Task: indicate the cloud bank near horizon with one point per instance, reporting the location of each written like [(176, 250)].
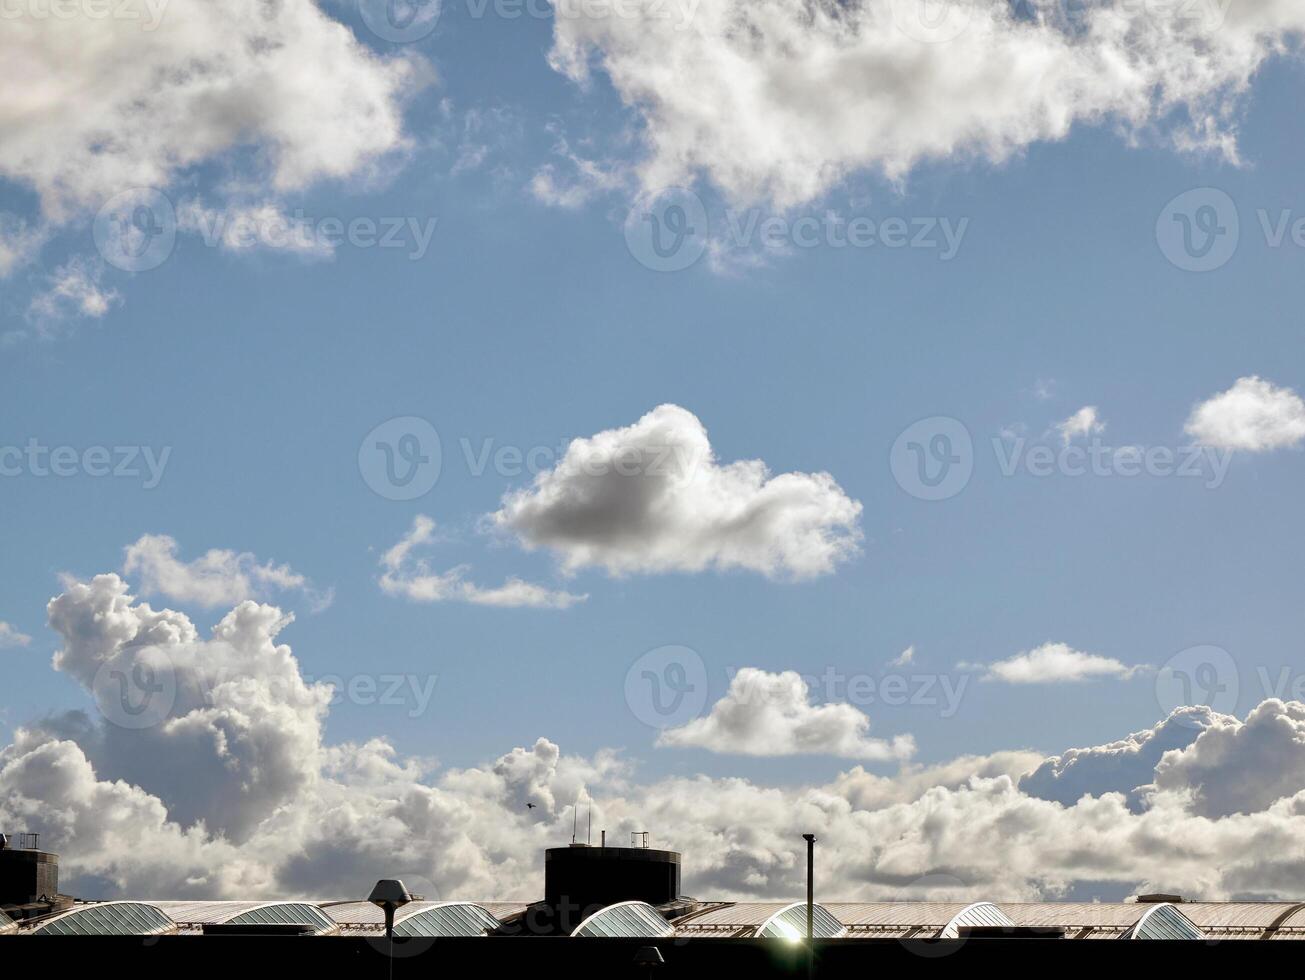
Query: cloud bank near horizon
[(235, 792)]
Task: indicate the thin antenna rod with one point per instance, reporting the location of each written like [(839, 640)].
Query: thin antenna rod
[(589, 834), (575, 812)]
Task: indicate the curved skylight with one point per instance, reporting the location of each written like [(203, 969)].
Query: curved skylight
[(108, 919), (791, 923), (7, 925), (978, 914), (631, 920), (449, 919), (287, 914), (1163, 921)]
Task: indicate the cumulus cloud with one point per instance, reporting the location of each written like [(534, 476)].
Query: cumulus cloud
[(280, 95), (782, 99), (1213, 768), (1126, 766), (1054, 663), (772, 715), (10, 637), (412, 578), (652, 497), (95, 117), (235, 793), (1083, 423), (1253, 415), (218, 577)]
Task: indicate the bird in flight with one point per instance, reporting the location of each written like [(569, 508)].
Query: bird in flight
[(530, 806)]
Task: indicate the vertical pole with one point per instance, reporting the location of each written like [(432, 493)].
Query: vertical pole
[(811, 882)]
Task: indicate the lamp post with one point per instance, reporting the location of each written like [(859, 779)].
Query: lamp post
[(390, 894), (811, 888)]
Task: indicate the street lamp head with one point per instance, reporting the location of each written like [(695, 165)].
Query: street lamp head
[(390, 892)]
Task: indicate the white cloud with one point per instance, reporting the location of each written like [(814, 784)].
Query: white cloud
[(282, 91), (905, 658), (235, 794), (413, 579), (1125, 766), (769, 714), (74, 289), (218, 577), (1054, 663), (1240, 767), (1084, 423), (1253, 415), (10, 637), (782, 99), (652, 497)]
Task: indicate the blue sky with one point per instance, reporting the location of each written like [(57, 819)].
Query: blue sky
[(528, 322)]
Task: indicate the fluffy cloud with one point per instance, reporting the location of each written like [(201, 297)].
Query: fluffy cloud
[(781, 99), (1082, 423), (234, 792), (10, 637), (1254, 415), (771, 715), (1054, 663), (652, 497), (1126, 766), (413, 579), (1240, 767), (218, 577), (108, 104)]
